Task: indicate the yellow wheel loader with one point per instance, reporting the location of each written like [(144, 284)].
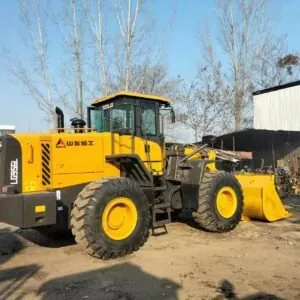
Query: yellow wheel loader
[(111, 180)]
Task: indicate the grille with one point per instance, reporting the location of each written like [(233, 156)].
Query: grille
[(46, 167)]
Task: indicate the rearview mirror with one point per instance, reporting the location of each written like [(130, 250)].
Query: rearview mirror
[(173, 117)]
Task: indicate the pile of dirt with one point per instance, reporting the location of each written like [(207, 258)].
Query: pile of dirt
[(10, 242)]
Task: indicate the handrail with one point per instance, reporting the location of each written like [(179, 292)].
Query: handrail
[(73, 130), (193, 153)]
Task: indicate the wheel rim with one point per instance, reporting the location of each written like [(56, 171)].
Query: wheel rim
[(226, 202), (119, 218)]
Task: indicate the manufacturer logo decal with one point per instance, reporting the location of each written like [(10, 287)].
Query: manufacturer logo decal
[(64, 144), (14, 167), (60, 144), (80, 143)]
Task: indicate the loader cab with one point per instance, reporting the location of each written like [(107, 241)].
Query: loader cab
[(130, 114), (135, 122)]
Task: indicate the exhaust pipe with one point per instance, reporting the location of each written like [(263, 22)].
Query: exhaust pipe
[(60, 119)]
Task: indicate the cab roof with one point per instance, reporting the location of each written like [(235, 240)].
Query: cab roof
[(131, 95)]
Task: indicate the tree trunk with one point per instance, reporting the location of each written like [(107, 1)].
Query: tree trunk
[(238, 113)]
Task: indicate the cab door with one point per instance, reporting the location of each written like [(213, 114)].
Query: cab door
[(149, 138)]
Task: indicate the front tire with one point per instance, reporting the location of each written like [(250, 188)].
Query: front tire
[(220, 205), (111, 218)]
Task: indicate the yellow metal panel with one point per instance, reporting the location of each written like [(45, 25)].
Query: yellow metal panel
[(261, 200), (81, 153), (125, 144), (212, 156), (30, 186), (31, 161), (79, 158), (152, 160), (82, 159), (189, 149)]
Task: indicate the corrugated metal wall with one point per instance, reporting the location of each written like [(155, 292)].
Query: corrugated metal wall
[(278, 110)]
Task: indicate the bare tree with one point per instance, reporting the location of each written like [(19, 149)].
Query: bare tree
[(127, 16), (70, 22), (35, 77), (126, 55), (202, 107), (38, 76), (94, 12), (152, 79), (76, 41), (251, 52), (137, 64)]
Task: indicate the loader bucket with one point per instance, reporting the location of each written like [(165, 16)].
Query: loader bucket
[(261, 200)]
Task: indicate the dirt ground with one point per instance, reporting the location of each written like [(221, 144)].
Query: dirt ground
[(250, 262)]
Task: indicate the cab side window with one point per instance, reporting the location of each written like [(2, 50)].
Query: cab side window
[(122, 118), (100, 120), (148, 118)]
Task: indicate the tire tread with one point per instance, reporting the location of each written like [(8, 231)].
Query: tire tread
[(81, 225), (205, 216)]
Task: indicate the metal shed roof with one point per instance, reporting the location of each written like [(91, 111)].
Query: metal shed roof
[(276, 88), (255, 139)]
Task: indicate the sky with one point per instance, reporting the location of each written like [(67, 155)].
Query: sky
[(179, 41)]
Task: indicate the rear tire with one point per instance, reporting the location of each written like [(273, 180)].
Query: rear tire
[(220, 202), (91, 208)]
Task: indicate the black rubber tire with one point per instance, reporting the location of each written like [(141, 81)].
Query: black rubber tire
[(87, 212), (207, 215)]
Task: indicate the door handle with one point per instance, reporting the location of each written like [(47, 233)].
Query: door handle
[(147, 148), (31, 150)]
